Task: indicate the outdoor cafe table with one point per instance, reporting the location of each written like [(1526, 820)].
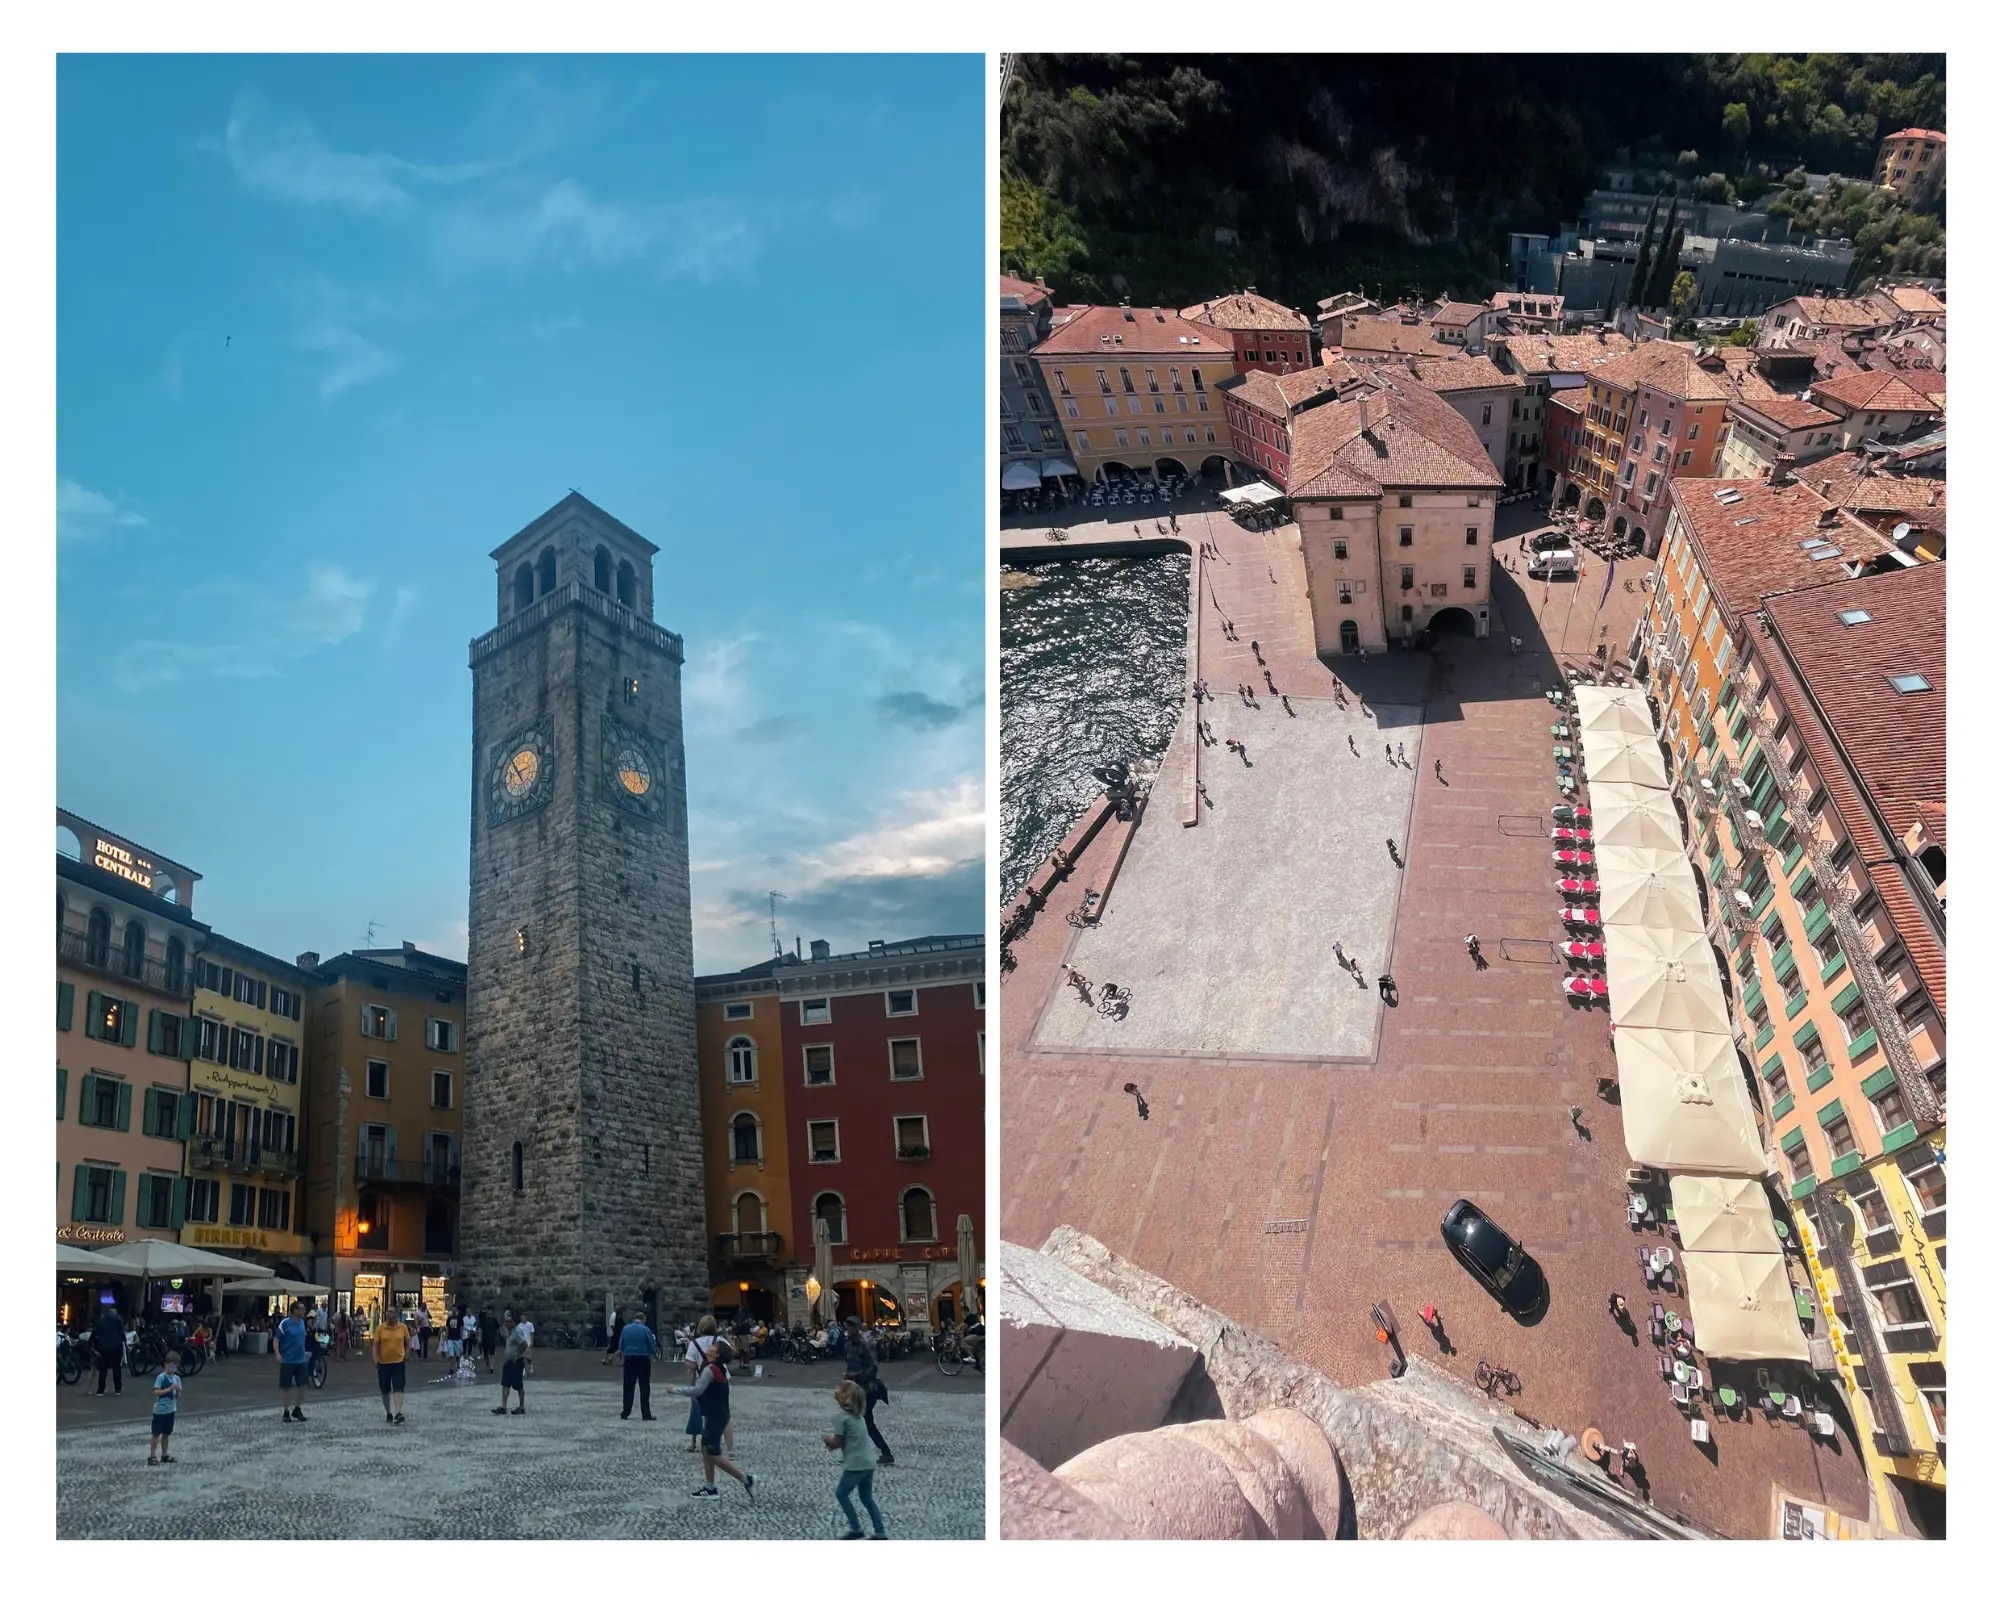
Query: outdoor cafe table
[(1578, 950), (1573, 858), (1583, 886), (1584, 914)]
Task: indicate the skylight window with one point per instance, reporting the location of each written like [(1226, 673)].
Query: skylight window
[(1744, 522), (1811, 544), (1853, 619), (1908, 682), (1827, 554)]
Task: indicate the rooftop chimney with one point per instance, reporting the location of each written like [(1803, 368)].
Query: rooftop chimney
[(821, 950), (1830, 517), (1781, 470), (876, 946), (1936, 495), (1364, 414), (309, 961), (407, 945)]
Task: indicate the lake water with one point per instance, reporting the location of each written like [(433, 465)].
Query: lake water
[(1093, 667)]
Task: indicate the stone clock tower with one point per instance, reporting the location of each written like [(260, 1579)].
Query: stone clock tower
[(582, 1161)]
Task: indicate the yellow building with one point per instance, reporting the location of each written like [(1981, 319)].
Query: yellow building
[(1134, 387), (245, 1081), (1911, 161), (745, 1153), (387, 1036), (1800, 672)]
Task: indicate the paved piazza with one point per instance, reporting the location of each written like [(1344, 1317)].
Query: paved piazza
[(1290, 1196), (568, 1469), (1245, 967)]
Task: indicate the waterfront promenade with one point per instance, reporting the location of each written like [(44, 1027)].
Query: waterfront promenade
[(1293, 1194)]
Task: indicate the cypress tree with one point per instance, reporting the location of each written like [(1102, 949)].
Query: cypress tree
[(1642, 271), (1666, 263)]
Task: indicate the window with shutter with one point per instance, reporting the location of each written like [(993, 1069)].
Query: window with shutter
[(124, 1108), (62, 1092), (65, 1006), (117, 1207)]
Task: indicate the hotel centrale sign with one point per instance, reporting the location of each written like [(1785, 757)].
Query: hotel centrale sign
[(240, 1239)]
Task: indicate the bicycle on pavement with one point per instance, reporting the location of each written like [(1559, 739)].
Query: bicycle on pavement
[(1495, 1381)]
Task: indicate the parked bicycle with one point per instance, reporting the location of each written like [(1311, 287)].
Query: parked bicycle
[(72, 1357), (1495, 1381), (149, 1353), (316, 1361), (956, 1350)]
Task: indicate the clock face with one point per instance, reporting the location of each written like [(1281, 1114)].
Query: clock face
[(633, 771), (523, 768)]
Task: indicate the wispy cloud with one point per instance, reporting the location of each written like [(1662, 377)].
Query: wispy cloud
[(333, 607), (562, 224), (286, 157), (88, 513), (922, 712), (773, 730), (716, 681), (331, 320)]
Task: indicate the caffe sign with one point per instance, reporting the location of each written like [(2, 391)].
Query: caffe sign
[(88, 1233)]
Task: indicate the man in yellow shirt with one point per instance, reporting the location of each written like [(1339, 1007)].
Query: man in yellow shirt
[(392, 1353)]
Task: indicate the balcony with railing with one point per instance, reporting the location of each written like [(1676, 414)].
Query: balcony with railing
[(424, 1174), (80, 950), (211, 1152), (751, 1249)]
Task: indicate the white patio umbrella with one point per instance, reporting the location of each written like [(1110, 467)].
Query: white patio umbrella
[(163, 1258), (1684, 1104), (1624, 813), (1724, 1214), (1650, 900), (1637, 860), (1613, 711), (1623, 758), (1743, 1306), (1663, 978), (823, 1271), (968, 1270), (92, 1264)]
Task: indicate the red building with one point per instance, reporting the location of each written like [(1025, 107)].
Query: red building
[(1263, 335), (885, 1109), (1260, 408), (1562, 427)]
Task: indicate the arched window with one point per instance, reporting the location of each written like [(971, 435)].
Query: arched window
[(97, 943), (135, 949), (165, 887), (524, 587), (517, 1166), (628, 585), (742, 1060), (919, 1215), (66, 843), (176, 964), (830, 1209), (749, 1212), (545, 572), (601, 570), (744, 1138)]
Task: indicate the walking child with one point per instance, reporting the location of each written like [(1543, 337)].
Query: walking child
[(166, 1402), (857, 1469), (710, 1392)]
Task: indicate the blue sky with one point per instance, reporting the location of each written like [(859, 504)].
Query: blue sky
[(329, 330)]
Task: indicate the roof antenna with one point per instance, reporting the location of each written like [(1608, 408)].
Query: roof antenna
[(370, 941), (777, 944)]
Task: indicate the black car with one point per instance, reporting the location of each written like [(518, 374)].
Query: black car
[(1492, 1256)]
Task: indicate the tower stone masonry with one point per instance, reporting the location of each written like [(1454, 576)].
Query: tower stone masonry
[(581, 1164)]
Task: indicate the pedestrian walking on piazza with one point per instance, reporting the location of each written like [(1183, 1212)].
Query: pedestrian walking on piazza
[(107, 1340), (638, 1346), (695, 1356), (342, 1332), (862, 1369), (710, 1394), (1386, 756), (1257, 651), (1385, 986), (392, 1357), (1438, 768), (1400, 760), (166, 1402), (611, 1335), (1352, 745), (421, 1321), (454, 1334), (290, 1348), (489, 1337), (514, 1371), (857, 1470), (1339, 955)]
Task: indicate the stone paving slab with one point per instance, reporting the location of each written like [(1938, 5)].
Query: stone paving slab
[(568, 1469), (1224, 932)]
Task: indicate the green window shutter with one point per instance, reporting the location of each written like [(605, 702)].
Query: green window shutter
[(1816, 920), (1793, 854), (118, 1198), (65, 1006), (62, 1092), (180, 1204), (1804, 1186), (1833, 969), (1876, 1082), (1801, 884), (392, 1026), (188, 1106), (1862, 1044), (1796, 1004), (83, 1100), (79, 1197), (1808, 1032), (1847, 997), (1896, 1138), (1739, 728), (1815, 1081), (124, 1108), (1764, 900), (93, 1014), (1764, 1035), (190, 1038), (152, 1099), (1753, 997), (1782, 1107), (128, 1034), (1828, 1112), (1847, 1163), (1771, 1066), (154, 1028), (1773, 926), (1793, 1140), (1786, 964)]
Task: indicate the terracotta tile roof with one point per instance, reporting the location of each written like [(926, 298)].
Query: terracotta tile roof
[(1456, 313), (1842, 481), (1895, 741), (1887, 390), (1569, 399), (1917, 302), (1508, 299), (1414, 440), (1376, 337), (1785, 411), (1304, 384), (1029, 294), (1280, 397), (1136, 330), (1915, 133), (1750, 545), (1247, 313), (1833, 313), (1668, 368), (1931, 814), (1456, 374), (1561, 352), (1927, 381)]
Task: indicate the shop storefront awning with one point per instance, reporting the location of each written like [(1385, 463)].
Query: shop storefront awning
[(1251, 494), (1743, 1306), (1732, 1214), (1059, 468), (1020, 475), (1684, 1103)]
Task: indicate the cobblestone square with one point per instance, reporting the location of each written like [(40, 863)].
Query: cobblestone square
[(567, 1469)]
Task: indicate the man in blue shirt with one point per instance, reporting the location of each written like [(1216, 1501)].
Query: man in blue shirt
[(638, 1346), (290, 1348)]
